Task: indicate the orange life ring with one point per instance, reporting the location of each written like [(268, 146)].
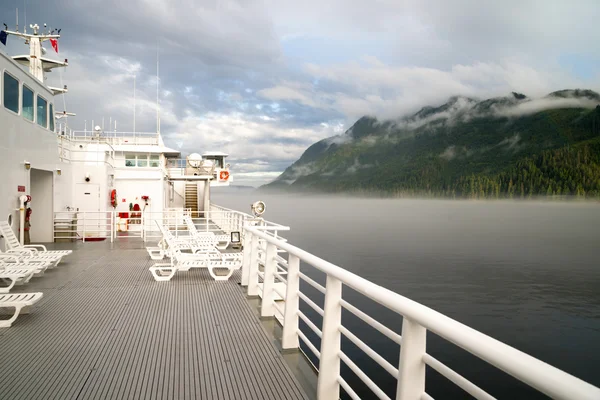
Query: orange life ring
[(224, 175), (113, 198)]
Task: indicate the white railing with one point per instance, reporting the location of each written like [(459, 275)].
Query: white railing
[(280, 279), (115, 138), (83, 225), (234, 221)]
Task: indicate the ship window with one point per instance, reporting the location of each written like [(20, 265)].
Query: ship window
[(42, 112), (11, 93), (142, 161), (27, 104), (154, 161), (51, 115), (130, 160)]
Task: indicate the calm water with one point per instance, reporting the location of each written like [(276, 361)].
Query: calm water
[(526, 273)]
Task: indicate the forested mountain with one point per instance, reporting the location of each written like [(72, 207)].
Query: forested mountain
[(509, 146)]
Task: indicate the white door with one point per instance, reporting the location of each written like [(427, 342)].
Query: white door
[(90, 222)]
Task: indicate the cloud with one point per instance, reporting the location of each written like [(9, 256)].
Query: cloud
[(546, 103), (386, 91), (287, 67)]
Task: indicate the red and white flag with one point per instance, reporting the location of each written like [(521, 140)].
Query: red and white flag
[(54, 43)]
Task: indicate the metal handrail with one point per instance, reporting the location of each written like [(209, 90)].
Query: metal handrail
[(418, 319)]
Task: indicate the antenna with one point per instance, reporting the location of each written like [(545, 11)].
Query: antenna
[(17, 21), (157, 85), (24, 17), (134, 103)]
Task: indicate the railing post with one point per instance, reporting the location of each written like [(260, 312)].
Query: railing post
[(411, 371), (328, 386), (143, 224), (84, 227), (253, 268), (289, 337), (246, 257), (267, 309), (112, 226)]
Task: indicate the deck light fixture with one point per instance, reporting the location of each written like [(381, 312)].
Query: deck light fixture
[(58, 171), (235, 240), (27, 165), (258, 208)]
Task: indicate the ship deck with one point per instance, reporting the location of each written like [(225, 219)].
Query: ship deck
[(106, 330)]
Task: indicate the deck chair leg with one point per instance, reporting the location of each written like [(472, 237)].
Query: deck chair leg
[(158, 272), (8, 322), (220, 277), (7, 289)]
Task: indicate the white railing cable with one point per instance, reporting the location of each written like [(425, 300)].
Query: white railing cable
[(282, 261), (276, 290), (363, 377), (280, 277), (311, 303), (310, 324), (370, 352), (279, 309), (312, 283), (533, 372), (309, 344), (457, 379), (372, 322), (348, 389)]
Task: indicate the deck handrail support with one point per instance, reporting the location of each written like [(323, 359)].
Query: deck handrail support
[(328, 385), (246, 257), (253, 268), (411, 370), (289, 336), (267, 308)]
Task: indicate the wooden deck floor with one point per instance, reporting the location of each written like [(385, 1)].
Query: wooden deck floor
[(106, 330)]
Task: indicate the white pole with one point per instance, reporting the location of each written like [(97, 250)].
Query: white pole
[(134, 104), (22, 220), (157, 85)]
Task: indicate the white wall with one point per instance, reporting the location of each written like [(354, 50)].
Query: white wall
[(41, 206), (20, 141)]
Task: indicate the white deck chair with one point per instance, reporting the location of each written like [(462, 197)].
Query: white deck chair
[(211, 259), (20, 261), (17, 301), (14, 276), (13, 245), (184, 243), (219, 241)]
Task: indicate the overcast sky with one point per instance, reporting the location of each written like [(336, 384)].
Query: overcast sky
[(262, 80)]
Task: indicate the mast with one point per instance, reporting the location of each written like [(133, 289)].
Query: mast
[(157, 86), (35, 41)]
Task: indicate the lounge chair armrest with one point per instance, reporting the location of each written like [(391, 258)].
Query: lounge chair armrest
[(12, 256), (35, 246), (20, 251)]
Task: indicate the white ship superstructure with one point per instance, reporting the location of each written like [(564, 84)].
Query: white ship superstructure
[(159, 309)]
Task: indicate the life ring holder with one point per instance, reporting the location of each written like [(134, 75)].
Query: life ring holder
[(113, 198)]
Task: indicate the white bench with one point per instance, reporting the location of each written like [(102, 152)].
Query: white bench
[(17, 301)]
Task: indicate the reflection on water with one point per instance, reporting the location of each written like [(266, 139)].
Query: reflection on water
[(525, 273)]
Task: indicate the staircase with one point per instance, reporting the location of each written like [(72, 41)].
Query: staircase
[(191, 198)]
